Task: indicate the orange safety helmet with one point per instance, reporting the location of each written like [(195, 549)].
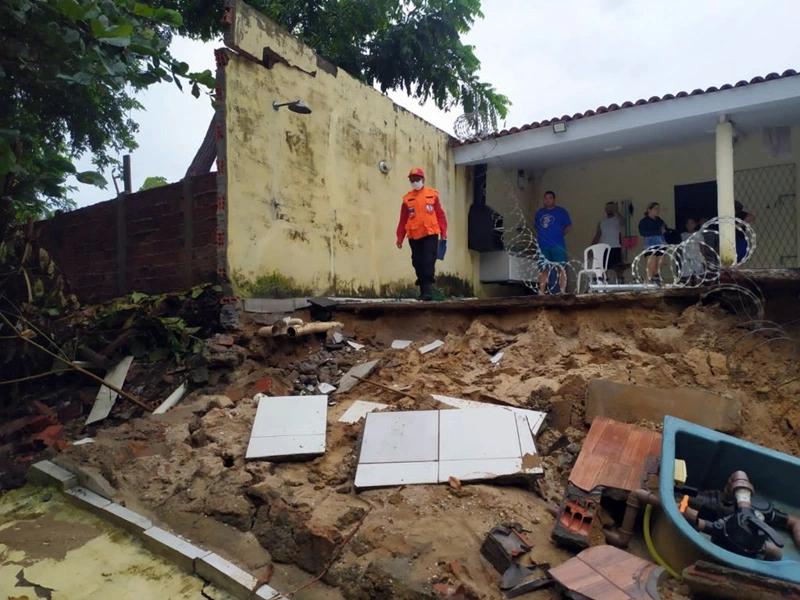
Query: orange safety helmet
[(418, 172)]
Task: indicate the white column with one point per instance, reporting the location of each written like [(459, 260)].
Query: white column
[(725, 207)]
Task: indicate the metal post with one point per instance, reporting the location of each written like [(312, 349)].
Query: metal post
[(126, 173), (725, 205)]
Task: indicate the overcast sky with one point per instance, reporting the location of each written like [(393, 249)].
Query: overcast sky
[(550, 57)]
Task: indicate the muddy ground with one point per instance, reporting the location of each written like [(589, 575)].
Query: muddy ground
[(187, 469)]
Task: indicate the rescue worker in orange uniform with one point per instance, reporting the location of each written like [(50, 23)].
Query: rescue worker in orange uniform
[(422, 221)]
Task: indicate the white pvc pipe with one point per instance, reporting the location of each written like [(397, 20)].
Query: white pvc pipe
[(309, 328), (725, 200)]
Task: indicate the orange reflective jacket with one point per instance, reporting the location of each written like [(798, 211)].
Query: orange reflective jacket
[(422, 214)]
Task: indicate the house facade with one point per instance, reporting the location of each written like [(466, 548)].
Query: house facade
[(308, 203)]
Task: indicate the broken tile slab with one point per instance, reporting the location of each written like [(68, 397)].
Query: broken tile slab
[(87, 499), (608, 573), (126, 519), (359, 409), (338, 338), (496, 358), (632, 403), (431, 347), (480, 469), (326, 388), (106, 397), (288, 426), (497, 434), (535, 417), (46, 473), (171, 400), (174, 549), (349, 381), (285, 447), (400, 473), (355, 346), (81, 442), (226, 576), (613, 456), (401, 437), (401, 344)]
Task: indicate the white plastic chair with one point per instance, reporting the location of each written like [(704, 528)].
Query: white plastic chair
[(598, 266)]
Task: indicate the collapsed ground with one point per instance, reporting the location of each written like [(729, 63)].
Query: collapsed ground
[(187, 468)]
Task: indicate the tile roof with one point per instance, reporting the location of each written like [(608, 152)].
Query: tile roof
[(614, 107)]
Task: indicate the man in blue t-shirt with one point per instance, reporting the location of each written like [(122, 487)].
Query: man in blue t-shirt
[(552, 223)]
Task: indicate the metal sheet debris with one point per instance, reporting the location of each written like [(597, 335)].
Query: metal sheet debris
[(401, 344), (288, 426), (349, 379), (431, 347), (106, 397), (359, 409), (434, 446)]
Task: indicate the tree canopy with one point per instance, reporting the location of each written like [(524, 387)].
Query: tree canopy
[(70, 71), (153, 182)]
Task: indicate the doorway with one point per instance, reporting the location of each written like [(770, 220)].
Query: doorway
[(695, 200)]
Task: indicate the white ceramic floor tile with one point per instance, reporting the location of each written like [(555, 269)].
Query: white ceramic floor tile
[(411, 436), (290, 415), (379, 475), (478, 434), (471, 470), (431, 347), (359, 409), (535, 417), (283, 446), (401, 344), (526, 443)]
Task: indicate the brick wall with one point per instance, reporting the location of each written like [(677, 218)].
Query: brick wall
[(155, 241)]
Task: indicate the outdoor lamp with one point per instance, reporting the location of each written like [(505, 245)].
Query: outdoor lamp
[(559, 127)]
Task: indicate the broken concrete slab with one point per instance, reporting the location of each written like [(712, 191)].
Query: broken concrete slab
[(46, 473), (401, 344), (431, 347), (106, 397), (359, 409), (288, 426), (349, 379), (174, 549), (632, 403)]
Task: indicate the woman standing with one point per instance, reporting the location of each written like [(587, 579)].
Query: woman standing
[(652, 229)]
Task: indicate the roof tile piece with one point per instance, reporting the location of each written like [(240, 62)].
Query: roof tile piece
[(628, 104)]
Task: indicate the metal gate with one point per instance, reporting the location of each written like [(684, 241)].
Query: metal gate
[(770, 194)]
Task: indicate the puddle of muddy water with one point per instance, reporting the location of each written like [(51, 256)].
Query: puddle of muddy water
[(53, 550)]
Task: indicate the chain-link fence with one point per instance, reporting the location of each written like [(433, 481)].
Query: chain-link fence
[(769, 194)]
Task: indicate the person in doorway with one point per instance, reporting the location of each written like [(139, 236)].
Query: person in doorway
[(692, 270), (652, 229), (552, 223), (741, 240), (609, 231), (422, 221)]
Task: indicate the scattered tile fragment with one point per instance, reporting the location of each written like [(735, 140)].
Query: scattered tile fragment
[(106, 397), (359, 409), (431, 347), (401, 344)]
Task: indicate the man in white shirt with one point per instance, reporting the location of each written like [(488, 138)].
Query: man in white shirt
[(609, 231)]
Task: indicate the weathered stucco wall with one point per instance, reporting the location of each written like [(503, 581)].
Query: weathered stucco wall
[(308, 209), (646, 177)]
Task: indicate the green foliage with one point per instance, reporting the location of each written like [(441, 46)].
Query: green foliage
[(69, 72), (153, 182), (273, 285), (397, 44)]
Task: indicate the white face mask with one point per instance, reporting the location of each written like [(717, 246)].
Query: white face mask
[(417, 185)]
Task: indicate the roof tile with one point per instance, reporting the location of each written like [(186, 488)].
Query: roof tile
[(628, 104)]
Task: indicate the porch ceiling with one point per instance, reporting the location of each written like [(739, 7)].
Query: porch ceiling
[(642, 128)]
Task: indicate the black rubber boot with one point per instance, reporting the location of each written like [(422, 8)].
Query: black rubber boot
[(427, 292)]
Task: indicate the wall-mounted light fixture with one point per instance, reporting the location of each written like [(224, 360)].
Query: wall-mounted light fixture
[(296, 107), (559, 127), (384, 167)]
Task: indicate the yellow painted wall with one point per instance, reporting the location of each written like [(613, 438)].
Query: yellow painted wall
[(306, 198), (643, 178)]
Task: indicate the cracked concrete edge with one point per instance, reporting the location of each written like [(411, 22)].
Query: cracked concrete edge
[(192, 559)]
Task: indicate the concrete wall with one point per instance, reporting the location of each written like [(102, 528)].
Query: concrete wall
[(156, 241), (308, 210), (643, 178)]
